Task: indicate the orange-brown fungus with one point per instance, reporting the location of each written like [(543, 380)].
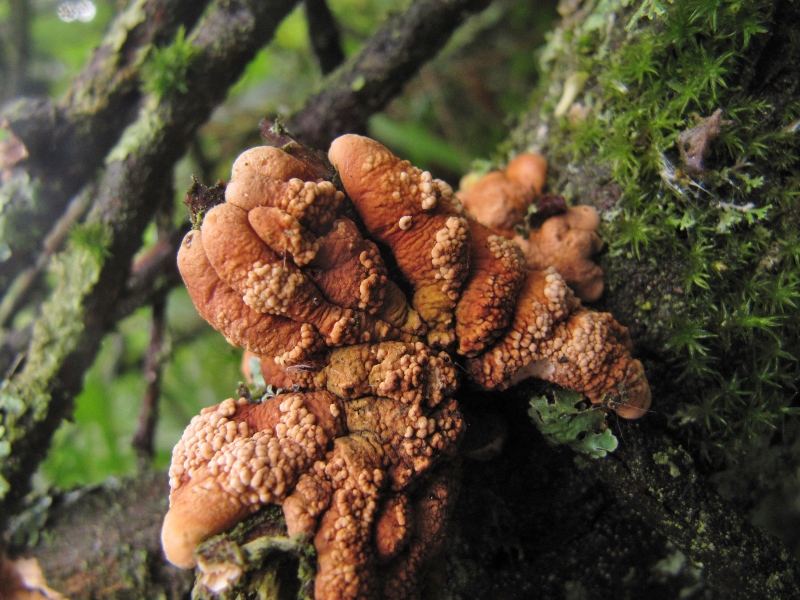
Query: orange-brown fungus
[(567, 242), (487, 303), (361, 454), (272, 285), (418, 217), (227, 312), (431, 506), (393, 526), (553, 338), (500, 199), (235, 457)]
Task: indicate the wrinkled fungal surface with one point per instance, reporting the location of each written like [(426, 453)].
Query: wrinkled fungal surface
[(555, 235), (362, 452)]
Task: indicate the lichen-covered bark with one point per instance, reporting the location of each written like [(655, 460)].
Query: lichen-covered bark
[(67, 140), (74, 319)]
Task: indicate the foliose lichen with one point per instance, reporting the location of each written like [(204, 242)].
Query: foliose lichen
[(564, 419)]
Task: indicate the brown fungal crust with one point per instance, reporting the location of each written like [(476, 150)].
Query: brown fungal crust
[(418, 217), (431, 506), (567, 237), (413, 440), (345, 559), (235, 457), (275, 223), (567, 242), (361, 453), (227, 312), (283, 234), (553, 338), (266, 176), (348, 269), (272, 285), (412, 373), (488, 300), (500, 199), (393, 526)]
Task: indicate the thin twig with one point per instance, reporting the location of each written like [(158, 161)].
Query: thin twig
[(153, 274), (153, 366), (324, 34), (366, 82), (143, 439)]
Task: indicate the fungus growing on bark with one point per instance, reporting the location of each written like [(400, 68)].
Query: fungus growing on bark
[(565, 237), (418, 217), (567, 241), (500, 199), (552, 337), (235, 457), (487, 302), (360, 454)]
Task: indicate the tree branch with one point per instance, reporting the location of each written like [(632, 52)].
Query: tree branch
[(324, 34), (366, 82), (115, 530), (67, 335), (153, 365), (67, 141)]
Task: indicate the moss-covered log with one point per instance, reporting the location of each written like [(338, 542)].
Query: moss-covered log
[(679, 123)]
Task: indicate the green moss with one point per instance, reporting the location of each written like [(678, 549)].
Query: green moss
[(165, 72), (249, 554), (726, 314)]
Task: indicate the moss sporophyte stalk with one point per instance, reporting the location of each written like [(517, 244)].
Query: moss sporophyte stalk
[(681, 139)]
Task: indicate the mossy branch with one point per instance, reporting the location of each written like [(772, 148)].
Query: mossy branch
[(67, 335), (68, 140), (658, 481), (697, 265)]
